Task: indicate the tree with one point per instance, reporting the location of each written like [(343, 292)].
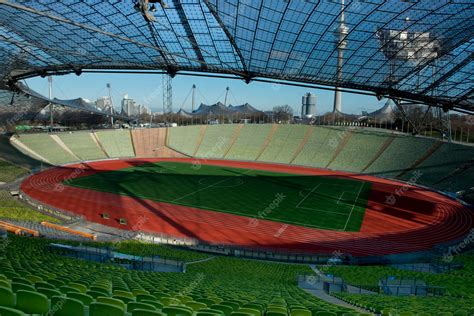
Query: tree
[(282, 113)]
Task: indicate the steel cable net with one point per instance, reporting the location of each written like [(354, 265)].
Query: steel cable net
[(418, 50)]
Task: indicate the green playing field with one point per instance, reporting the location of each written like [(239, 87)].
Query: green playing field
[(314, 201)]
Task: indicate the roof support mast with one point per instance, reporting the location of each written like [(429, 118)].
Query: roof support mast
[(109, 88)]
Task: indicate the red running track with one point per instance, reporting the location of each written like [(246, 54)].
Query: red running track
[(419, 220)]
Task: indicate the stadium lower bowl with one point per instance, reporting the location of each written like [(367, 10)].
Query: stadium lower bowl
[(397, 217)]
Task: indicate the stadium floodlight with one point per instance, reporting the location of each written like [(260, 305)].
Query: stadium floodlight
[(403, 45), (147, 8)]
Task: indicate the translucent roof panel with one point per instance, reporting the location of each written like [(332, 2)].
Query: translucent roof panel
[(419, 50)]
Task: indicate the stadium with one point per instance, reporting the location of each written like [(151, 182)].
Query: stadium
[(229, 210)]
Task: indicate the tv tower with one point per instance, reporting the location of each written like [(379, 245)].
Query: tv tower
[(341, 42)]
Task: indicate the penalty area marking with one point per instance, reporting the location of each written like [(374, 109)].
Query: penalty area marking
[(306, 196), (340, 197)]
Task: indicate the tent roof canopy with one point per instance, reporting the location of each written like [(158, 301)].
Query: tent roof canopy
[(415, 50)]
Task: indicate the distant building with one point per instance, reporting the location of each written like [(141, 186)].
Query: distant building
[(308, 105), (145, 110), (132, 108)]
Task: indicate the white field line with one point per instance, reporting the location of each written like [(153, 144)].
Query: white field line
[(307, 195), (340, 197), (353, 205)]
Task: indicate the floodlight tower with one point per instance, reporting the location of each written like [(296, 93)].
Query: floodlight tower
[(341, 43), (404, 46), (226, 94), (51, 105), (193, 98)]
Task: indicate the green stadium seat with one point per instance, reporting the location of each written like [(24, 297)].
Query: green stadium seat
[(241, 314), (21, 286), (300, 312), (33, 279), (99, 289), (4, 283), (66, 306), (235, 306), (84, 298), (211, 311), (227, 310), (112, 301), (167, 301), (144, 312), (45, 285), (123, 293), (32, 302), (48, 292), (207, 301), (176, 311), (95, 294), (256, 306), (271, 313), (281, 310), (80, 287), (138, 305), (159, 295), (322, 313), (124, 299), (104, 309), (141, 297), (65, 289), (196, 305), (252, 311), (139, 292), (10, 275), (184, 298), (155, 303), (7, 311), (7, 298), (57, 283), (22, 280)]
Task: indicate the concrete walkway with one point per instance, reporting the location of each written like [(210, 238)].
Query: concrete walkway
[(334, 300), (321, 294)]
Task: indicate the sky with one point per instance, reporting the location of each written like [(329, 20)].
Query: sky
[(146, 89)]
